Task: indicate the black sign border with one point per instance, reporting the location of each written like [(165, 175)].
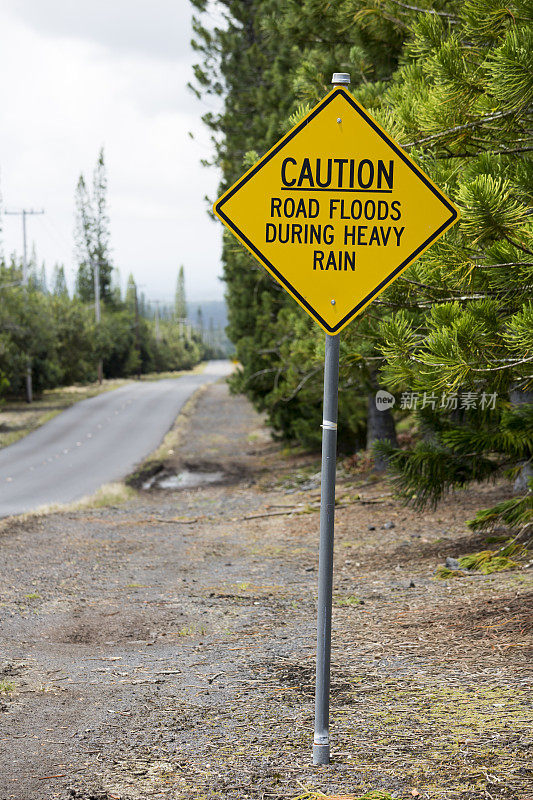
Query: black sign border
[(276, 149)]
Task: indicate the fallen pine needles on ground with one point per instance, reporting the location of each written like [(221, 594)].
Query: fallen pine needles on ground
[(316, 795)]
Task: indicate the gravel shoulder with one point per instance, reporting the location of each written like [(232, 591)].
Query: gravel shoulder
[(165, 648)]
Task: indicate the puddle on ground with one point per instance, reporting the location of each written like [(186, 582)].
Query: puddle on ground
[(186, 479)]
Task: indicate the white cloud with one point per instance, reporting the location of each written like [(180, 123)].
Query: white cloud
[(68, 96), (159, 28)]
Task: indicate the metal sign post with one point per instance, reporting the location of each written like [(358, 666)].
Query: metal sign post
[(321, 750), (325, 558)]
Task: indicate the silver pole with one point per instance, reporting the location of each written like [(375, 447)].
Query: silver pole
[(29, 376), (96, 278), (97, 313), (321, 745), (24, 250), (321, 742)]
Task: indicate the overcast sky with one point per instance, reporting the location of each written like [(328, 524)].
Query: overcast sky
[(79, 75)]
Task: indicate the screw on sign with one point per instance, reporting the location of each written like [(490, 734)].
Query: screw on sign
[(335, 212)]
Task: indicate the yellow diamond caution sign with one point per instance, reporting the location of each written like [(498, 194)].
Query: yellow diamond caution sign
[(336, 210)]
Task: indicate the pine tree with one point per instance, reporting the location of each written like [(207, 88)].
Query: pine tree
[(115, 289), (33, 272), (42, 280), (131, 294), (101, 235), (463, 321), (59, 283), (144, 307), (83, 242), (92, 236), (180, 303)]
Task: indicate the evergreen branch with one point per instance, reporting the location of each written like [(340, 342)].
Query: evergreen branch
[(268, 351), (465, 127), (354, 360), (365, 12), (420, 285), (471, 364), (302, 384), (257, 374), (512, 512), (507, 264), (519, 246), (463, 298), (444, 14), (505, 366), (424, 475), (487, 152)]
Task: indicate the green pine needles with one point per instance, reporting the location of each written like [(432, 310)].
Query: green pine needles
[(466, 325)]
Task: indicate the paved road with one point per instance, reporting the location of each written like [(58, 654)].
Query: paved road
[(94, 442)]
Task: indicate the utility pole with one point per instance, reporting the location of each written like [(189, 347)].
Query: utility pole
[(137, 334), (97, 312), (25, 212)]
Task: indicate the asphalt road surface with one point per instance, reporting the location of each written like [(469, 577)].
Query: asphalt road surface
[(94, 442)]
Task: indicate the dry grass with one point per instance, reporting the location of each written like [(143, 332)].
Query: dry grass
[(173, 438), (111, 494)]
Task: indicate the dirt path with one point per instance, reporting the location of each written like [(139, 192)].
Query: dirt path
[(165, 649)]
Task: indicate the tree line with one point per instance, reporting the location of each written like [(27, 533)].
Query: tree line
[(58, 340), (452, 338)]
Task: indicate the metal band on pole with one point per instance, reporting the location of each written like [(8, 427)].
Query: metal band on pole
[(321, 743)]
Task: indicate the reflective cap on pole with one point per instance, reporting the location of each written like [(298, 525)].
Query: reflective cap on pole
[(341, 79)]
